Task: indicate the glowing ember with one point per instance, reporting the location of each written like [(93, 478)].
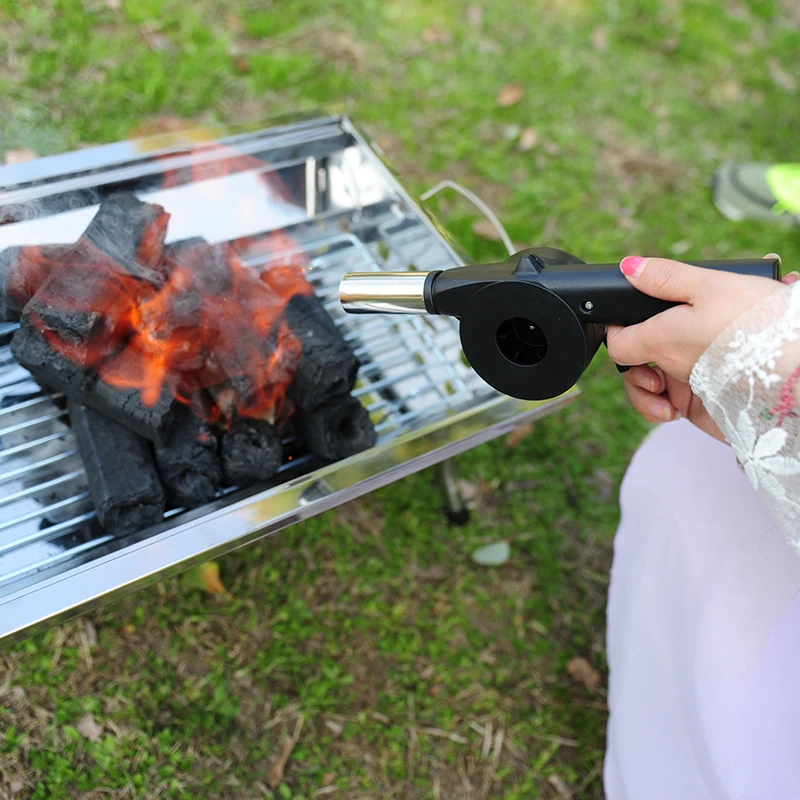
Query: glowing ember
[(189, 317)]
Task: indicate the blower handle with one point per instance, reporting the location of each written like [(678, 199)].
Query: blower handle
[(601, 294)]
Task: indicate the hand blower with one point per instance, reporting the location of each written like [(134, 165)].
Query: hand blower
[(530, 325)]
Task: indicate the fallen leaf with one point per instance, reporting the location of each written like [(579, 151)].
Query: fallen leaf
[(510, 95), (20, 156), (679, 248), (334, 727), (89, 729), (16, 786), (600, 39), (242, 64), (470, 493), (328, 778), (492, 555), (278, 766), (528, 140), (475, 16), (206, 576), (114, 5), (436, 36), (781, 77), (91, 633), (560, 786), (518, 434), (485, 229), (583, 672)]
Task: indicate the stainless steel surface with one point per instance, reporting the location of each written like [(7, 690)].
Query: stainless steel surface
[(383, 293), (342, 210)]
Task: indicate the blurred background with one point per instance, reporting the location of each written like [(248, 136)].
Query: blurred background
[(366, 654)]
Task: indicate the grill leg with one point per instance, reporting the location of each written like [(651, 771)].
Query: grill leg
[(455, 508)]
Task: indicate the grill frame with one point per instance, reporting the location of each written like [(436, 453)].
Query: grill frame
[(100, 569)]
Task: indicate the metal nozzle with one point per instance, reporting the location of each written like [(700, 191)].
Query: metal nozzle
[(383, 292)]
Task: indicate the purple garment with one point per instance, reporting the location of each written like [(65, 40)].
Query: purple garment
[(703, 632)]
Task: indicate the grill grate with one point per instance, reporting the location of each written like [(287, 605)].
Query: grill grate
[(411, 370)]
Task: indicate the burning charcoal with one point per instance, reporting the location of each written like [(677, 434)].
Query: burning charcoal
[(328, 366), (80, 309), (22, 272), (119, 468), (124, 406), (251, 451), (336, 430), (188, 462), (132, 233), (208, 263)]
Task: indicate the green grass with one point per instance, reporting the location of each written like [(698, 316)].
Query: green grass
[(371, 624)]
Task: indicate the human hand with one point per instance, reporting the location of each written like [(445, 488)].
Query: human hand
[(674, 340)]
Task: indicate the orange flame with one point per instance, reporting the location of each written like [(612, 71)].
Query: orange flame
[(210, 331)]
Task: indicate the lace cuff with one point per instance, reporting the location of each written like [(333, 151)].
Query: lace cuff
[(748, 381)]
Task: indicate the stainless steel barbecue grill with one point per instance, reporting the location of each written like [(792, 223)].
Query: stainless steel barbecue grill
[(343, 209)]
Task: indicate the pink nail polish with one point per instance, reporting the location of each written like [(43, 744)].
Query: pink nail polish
[(632, 266)]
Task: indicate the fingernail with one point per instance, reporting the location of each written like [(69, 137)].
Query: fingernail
[(632, 266), (792, 277), (666, 413)]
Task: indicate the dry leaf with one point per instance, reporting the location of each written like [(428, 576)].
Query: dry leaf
[(475, 16), (781, 77), (519, 434), (16, 786), (600, 39), (335, 728), (89, 729), (510, 95), (206, 576), (470, 493), (583, 672), (436, 36), (19, 156), (278, 766), (114, 5), (242, 64), (560, 786), (528, 140), (485, 229), (328, 778)]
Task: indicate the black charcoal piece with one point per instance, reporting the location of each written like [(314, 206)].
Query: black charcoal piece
[(328, 367), (208, 263), (125, 406), (250, 451), (338, 429), (188, 461), (122, 476), (132, 233), (81, 306), (22, 272)]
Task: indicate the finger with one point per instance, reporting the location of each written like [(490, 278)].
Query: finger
[(665, 279), (632, 345), (773, 255), (791, 278), (646, 378), (651, 406)]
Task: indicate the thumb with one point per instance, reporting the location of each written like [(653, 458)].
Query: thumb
[(663, 278)]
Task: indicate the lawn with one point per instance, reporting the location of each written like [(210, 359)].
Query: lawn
[(368, 637)]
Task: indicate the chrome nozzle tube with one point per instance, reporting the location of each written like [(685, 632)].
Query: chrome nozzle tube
[(383, 292)]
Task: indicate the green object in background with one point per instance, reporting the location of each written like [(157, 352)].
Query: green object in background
[(766, 192), (784, 180)]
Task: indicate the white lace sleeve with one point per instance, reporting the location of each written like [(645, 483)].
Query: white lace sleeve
[(749, 381)]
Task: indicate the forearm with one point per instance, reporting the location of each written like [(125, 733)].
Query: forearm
[(749, 382)]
